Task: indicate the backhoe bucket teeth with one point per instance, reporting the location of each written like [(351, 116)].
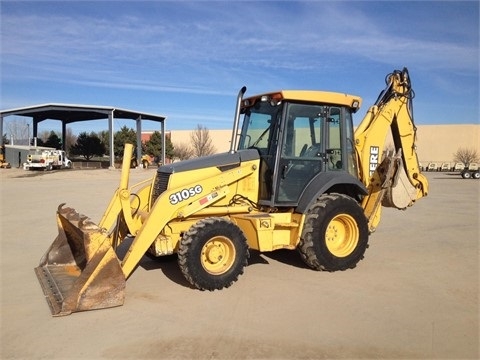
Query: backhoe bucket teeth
[(80, 271)]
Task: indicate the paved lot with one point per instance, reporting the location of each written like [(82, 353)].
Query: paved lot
[(414, 296)]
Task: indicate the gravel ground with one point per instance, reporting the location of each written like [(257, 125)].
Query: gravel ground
[(414, 296)]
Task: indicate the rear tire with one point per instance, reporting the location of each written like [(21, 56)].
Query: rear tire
[(476, 175), (213, 253), (335, 233), (466, 175)]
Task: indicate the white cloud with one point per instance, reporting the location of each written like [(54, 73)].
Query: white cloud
[(200, 49)]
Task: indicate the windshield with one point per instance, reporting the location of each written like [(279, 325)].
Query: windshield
[(258, 123)]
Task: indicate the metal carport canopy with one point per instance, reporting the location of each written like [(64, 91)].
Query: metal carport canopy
[(69, 113)]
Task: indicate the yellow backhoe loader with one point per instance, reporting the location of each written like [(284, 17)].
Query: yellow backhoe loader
[(3, 164), (296, 176)]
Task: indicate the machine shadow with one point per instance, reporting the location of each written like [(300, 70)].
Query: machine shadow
[(167, 264), (449, 176), (256, 258), (288, 257)]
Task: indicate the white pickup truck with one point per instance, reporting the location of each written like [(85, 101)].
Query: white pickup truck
[(47, 160)]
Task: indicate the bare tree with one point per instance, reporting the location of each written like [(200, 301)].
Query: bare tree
[(43, 135), (201, 142), (18, 130), (466, 156), (182, 151), (70, 139)]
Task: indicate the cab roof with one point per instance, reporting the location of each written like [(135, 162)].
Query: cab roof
[(311, 96)]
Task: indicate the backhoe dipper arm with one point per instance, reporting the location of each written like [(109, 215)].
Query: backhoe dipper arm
[(392, 179)]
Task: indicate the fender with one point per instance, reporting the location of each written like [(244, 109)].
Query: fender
[(324, 181)]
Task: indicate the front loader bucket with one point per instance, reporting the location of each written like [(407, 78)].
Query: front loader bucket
[(80, 271)]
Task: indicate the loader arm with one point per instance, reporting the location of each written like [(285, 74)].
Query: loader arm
[(81, 269), (163, 211), (392, 176), (121, 204)]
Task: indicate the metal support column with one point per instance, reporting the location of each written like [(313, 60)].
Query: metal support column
[(163, 141), (64, 135), (110, 138), (35, 127), (139, 140), (1, 130)]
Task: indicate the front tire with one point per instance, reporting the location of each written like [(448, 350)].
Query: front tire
[(213, 253), (335, 233)]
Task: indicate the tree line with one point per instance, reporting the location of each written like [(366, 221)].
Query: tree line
[(89, 145)]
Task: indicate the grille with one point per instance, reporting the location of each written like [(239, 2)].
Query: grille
[(160, 185)]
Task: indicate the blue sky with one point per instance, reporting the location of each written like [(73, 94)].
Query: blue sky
[(187, 60)]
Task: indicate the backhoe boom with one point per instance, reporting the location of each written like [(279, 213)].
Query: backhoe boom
[(392, 176)]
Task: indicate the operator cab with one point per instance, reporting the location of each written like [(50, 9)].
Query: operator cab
[(299, 135)]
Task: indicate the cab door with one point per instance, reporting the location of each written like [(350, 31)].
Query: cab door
[(302, 153), (339, 147), (333, 140)]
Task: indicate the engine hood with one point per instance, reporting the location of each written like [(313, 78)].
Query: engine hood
[(219, 160)]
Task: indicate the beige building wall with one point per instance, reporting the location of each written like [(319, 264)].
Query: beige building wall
[(438, 143), (220, 138), (435, 143)]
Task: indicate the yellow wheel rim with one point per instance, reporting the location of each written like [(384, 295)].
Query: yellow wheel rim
[(342, 235), (218, 255)]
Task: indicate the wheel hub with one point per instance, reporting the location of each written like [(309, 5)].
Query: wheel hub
[(342, 235), (214, 252), (218, 255)]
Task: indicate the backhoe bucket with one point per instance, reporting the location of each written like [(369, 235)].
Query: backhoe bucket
[(80, 271)]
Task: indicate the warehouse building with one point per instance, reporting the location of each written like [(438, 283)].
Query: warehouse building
[(435, 143)]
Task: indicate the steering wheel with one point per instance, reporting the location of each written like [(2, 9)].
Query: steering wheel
[(312, 151), (304, 148)]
